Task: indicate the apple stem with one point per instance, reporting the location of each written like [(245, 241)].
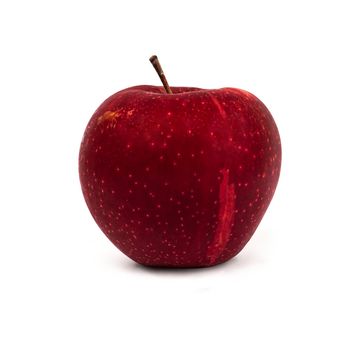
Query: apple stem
[(156, 64)]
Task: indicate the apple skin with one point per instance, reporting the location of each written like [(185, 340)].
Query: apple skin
[(182, 179)]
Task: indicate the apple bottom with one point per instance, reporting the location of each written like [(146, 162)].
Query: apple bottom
[(193, 258), (180, 222), (186, 262)]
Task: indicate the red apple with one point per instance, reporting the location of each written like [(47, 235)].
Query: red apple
[(180, 179)]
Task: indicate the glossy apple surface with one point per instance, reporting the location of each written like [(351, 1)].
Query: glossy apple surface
[(182, 179)]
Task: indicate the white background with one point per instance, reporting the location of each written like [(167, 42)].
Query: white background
[(63, 285)]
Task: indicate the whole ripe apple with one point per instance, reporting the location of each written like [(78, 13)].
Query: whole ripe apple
[(181, 176)]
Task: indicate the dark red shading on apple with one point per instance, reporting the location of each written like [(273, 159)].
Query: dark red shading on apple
[(181, 179)]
